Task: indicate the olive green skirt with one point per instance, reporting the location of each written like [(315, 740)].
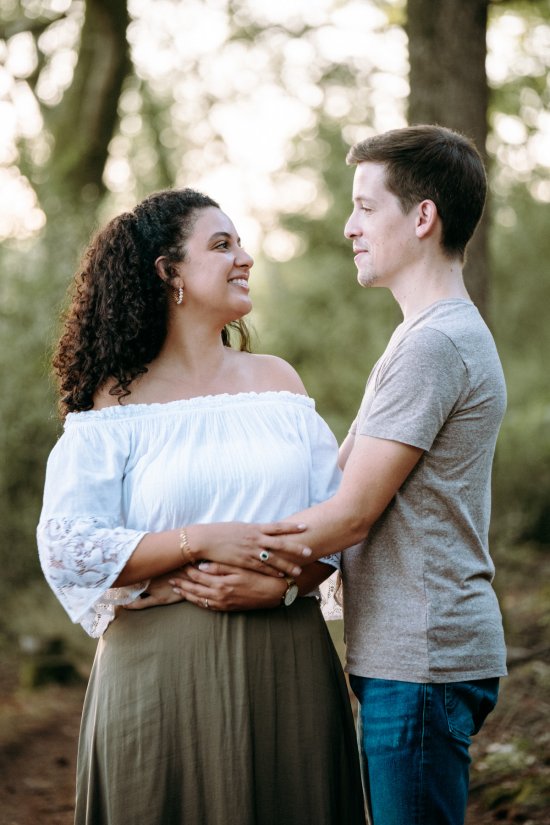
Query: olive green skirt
[(194, 717)]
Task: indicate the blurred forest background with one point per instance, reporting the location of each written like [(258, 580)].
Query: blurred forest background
[(256, 103)]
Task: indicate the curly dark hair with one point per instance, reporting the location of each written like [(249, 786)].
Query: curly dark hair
[(117, 319)]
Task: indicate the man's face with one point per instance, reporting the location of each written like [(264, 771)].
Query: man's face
[(383, 237)]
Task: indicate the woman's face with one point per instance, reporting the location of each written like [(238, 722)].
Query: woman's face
[(216, 268)]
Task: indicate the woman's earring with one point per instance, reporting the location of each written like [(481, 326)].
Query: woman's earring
[(178, 295)]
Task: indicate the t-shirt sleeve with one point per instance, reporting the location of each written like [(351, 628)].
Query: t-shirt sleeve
[(82, 541), (417, 389)]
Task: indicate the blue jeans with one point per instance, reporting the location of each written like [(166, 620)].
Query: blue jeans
[(414, 741)]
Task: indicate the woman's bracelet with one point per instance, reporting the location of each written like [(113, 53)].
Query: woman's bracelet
[(185, 547)]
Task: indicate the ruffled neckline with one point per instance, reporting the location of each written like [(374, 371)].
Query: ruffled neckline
[(121, 411)]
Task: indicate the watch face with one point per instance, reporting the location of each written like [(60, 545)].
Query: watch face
[(291, 594)]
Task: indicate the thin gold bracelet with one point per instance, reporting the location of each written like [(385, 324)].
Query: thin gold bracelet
[(185, 547)]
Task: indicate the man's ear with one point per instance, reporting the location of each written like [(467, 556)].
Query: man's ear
[(427, 218)]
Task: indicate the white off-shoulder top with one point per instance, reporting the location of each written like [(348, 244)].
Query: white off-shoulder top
[(123, 471)]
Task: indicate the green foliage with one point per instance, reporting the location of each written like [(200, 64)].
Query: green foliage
[(27, 433), (33, 282), (33, 618), (521, 297), (315, 316), (522, 473), (521, 293), (312, 311)]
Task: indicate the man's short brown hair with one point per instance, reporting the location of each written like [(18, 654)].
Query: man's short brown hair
[(431, 163)]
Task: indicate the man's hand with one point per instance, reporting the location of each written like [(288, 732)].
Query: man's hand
[(255, 547)]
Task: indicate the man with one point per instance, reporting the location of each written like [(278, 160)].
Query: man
[(425, 646), (424, 633)]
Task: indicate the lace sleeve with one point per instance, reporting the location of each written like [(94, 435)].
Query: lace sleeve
[(333, 560), (332, 597), (81, 558), (83, 542)]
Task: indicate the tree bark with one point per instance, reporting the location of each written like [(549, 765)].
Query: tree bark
[(85, 120), (447, 52)]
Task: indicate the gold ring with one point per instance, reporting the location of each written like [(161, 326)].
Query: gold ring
[(206, 604)]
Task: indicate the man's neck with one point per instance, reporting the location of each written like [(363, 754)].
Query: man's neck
[(428, 285)]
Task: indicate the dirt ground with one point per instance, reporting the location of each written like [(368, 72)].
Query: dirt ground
[(38, 756)]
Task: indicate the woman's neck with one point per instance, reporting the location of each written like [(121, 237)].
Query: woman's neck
[(192, 354)]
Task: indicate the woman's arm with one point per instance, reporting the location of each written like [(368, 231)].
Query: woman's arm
[(227, 588), (90, 559), (229, 543)]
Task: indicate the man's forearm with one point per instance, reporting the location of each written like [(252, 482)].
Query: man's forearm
[(331, 528), (375, 469)]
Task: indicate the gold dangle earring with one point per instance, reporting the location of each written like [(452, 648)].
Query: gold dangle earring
[(178, 295)]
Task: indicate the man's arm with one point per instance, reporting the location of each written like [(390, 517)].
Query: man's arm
[(345, 450), (374, 471)]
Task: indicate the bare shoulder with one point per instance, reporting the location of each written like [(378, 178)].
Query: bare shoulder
[(274, 373)]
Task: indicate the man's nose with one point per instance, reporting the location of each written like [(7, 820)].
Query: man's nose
[(350, 229)]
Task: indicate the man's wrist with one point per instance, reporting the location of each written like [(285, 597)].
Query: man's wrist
[(275, 590), (291, 592)]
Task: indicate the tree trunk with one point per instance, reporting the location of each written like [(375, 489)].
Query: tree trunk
[(447, 51), (85, 120)]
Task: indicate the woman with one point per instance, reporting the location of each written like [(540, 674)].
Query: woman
[(191, 716)]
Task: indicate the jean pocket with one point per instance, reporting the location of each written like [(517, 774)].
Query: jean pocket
[(467, 705)]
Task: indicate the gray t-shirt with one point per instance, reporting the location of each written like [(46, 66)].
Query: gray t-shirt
[(418, 601)]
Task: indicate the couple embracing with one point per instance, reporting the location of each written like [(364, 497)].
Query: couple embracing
[(196, 501)]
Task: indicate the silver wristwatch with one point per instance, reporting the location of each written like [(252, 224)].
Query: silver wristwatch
[(291, 592)]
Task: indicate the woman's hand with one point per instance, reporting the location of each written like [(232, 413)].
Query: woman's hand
[(159, 592), (225, 587)]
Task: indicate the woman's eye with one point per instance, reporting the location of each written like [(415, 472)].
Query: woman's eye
[(223, 245)]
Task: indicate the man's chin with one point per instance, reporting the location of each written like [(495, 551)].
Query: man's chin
[(365, 280)]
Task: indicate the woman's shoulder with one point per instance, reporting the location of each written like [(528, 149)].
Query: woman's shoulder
[(104, 418), (273, 373)]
